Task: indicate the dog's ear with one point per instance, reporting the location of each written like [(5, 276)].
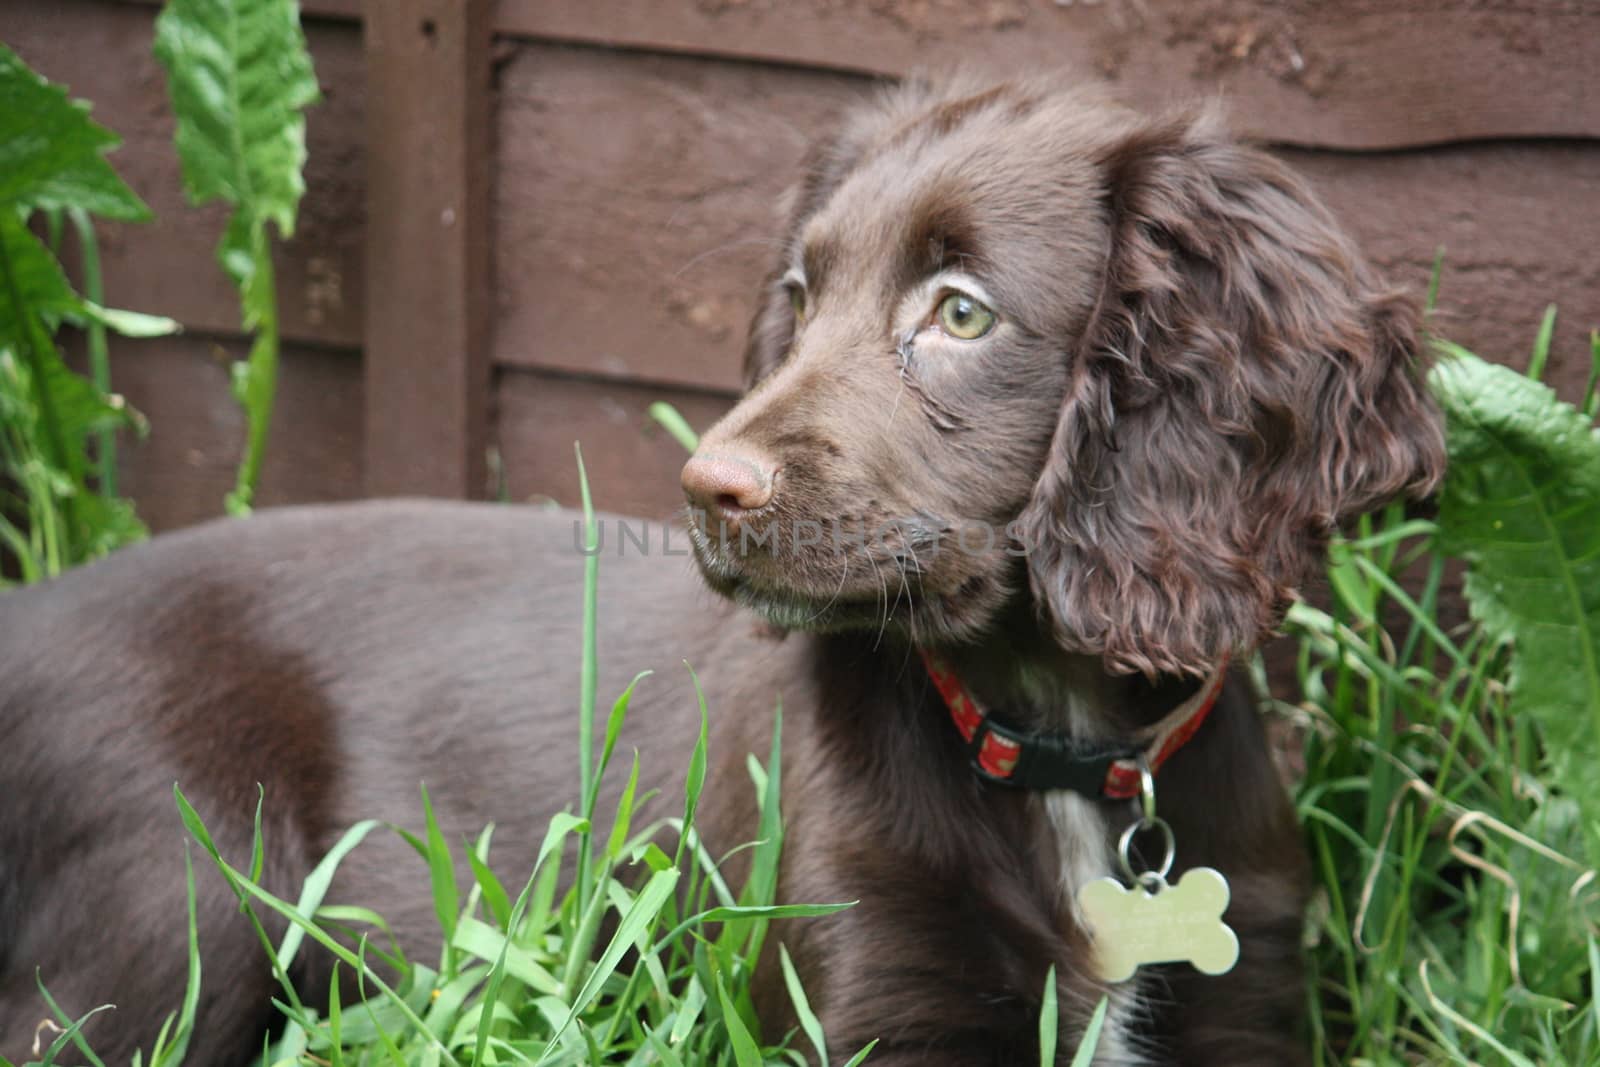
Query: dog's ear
[(1243, 385)]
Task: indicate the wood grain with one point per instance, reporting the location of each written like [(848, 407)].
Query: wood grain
[(1346, 74), (636, 196), (632, 463), (179, 473), (428, 174), (1331, 73)]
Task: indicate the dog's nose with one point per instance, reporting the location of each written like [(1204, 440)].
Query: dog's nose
[(728, 483)]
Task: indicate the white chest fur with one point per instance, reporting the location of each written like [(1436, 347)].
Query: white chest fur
[(1080, 831)]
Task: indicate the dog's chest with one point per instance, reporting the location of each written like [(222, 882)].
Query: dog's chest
[(1081, 843)]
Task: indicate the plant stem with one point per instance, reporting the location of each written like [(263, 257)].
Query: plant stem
[(260, 380), (34, 351), (105, 449)]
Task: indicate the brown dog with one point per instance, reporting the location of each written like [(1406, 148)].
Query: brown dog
[(1064, 398)]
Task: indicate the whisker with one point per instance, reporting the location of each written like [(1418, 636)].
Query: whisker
[(730, 246)]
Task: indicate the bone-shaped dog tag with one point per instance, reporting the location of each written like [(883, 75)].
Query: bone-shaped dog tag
[(1180, 922)]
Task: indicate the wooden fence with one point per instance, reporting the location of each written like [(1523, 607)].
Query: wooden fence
[(526, 220)]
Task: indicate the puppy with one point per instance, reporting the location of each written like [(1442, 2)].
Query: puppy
[(1050, 408)]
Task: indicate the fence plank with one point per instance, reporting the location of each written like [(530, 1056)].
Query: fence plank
[(631, 462), (179, 473), (637, 252), (1367, 74), (1353, 74), (428, 299)]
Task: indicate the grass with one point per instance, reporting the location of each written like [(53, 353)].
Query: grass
[(1454, 907)]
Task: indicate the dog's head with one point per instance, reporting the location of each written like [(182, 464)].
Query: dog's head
[(1020, 337)]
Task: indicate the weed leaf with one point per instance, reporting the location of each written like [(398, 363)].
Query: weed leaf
[(1521, 505), (52, 155)]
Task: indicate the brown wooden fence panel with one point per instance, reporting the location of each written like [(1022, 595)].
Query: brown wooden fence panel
[(427, 316), (1336, 73), (632, 463), (630, 198), (635, 206), (180, 472), (649, 183)]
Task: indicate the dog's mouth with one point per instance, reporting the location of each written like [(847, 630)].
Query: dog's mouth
[(792, 610), (831, 589)]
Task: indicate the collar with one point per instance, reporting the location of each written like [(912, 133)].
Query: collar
[(1042, 761)]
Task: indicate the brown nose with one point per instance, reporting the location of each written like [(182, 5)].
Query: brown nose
[(728, 483)]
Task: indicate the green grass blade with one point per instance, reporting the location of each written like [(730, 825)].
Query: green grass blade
[(745, 1051), (638, 918), (335, 1022), (1091, 1035), (860, 1057), (71, 1034), (317, 883), (675, 424), (624, 818), (243, 887), (1049, 1020), (441, 873), (695, 781), (494, 893), (614, 723), (173, 1054), (1541, 344), (1434, 276), (258, 843), (1589, 400), (587, 672), (809, 1023)]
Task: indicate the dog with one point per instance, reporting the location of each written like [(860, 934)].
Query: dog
[(1051, 408)]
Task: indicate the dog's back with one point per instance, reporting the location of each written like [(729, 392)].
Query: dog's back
[(338, 657)]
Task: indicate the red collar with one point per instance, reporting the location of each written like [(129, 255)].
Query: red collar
[(1033, 761)]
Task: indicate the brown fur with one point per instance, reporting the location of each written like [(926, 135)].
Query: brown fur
[(1193, 380)]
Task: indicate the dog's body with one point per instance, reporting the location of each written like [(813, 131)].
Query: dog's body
[(340, 656), (1137, 354)]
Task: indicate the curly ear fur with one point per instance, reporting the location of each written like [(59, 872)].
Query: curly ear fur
[(1244, 384)]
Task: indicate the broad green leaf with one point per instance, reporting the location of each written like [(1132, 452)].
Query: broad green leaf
[(31, 273), (239, 76), (1521, 504), (105, 524), (33, 277), (52, 155)]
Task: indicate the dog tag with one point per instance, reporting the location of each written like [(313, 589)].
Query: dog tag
[(1154, 922)]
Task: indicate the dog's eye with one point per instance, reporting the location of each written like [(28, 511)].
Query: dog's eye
[(797, 300), (962, 317)]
